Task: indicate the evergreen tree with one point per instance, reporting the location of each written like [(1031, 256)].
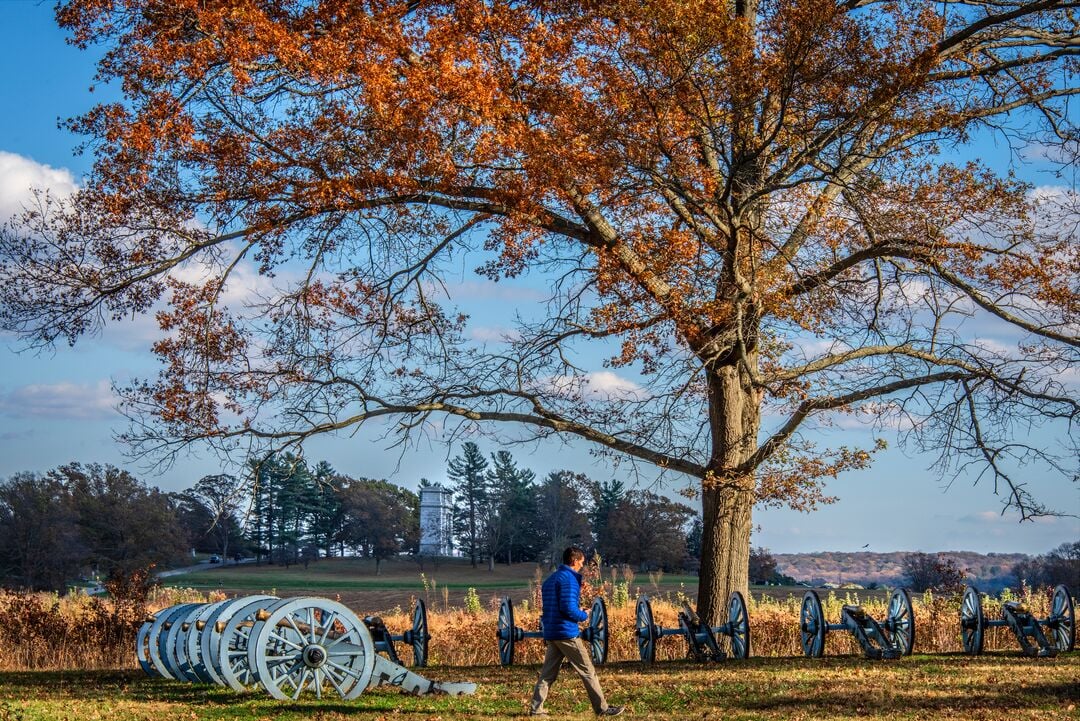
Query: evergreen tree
[(466, 474), (510, 510), (325, 510), (561, 517), (606, 497)]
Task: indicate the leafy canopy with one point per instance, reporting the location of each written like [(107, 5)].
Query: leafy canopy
[(732, 199)]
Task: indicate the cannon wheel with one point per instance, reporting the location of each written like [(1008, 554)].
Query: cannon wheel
[(307, 643), (210, 639), (420, 635), (972, 621), (598, 631), (739, 623), (236, 670), (158, 639), (646, 630), (812, 625), (506, 632), (900, 623), (176, 643), (193, 650), (142, 648), (1063, 619)]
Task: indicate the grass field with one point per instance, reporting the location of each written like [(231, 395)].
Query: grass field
[(995, 687), (354, 581)]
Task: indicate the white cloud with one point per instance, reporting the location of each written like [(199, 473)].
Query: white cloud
[(1008, 521), (63, 401), (20, 176), (876, 414), (606, 384), (485, 290), (494, 334), (244, 286), (597, 385)]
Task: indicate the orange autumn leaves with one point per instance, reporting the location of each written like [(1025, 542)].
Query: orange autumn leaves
[(724, 180)]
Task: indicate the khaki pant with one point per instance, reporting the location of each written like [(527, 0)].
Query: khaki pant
[(574, 651)]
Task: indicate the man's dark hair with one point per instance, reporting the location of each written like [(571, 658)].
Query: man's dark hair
[(572, 554)]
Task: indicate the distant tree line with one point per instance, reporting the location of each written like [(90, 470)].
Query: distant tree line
[(97, 520), (937, 572), (1062, 565), (77, 520), (503, 514)]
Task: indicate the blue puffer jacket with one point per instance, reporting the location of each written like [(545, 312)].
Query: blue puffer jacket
[(562, 612)]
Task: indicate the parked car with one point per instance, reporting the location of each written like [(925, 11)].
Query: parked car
[(215, 559)]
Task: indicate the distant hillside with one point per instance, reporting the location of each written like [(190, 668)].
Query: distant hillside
[(992, 570)]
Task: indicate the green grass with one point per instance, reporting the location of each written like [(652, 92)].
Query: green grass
[(995, 687), (272, 579)]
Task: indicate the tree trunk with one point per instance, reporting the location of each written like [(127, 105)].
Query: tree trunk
[(727, 499)]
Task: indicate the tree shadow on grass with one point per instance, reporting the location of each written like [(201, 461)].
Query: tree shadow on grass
[(134, 686)]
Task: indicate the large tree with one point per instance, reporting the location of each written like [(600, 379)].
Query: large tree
[(381, 520), (752, 204), (40, 545), (649, 531), (221, 496), (124, 526), (561, 516)]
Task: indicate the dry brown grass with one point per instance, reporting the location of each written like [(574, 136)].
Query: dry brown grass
[(43, 631)]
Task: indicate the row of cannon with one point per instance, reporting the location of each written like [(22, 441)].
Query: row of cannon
[(290, 647), (888, 638)]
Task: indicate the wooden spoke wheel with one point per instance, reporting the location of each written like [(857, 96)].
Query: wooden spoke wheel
[(210, 638), (972, 622), (506, 632), (597, 632), (900, 622), (236, 671), (1062, 619), (418, 635), (142, 648), (159, 633), (311, 645), (176, 643), (812, 625), (193, 643), (646, 630), (739, 624)]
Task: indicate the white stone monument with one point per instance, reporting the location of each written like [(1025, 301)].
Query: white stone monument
[(436, 521)]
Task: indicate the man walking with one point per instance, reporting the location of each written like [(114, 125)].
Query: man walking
[(561, 614)]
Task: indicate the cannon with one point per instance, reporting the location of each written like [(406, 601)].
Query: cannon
[(892, 638), (1061, 623), (289, 647), (595, 634), (701, 641), (417, 636)]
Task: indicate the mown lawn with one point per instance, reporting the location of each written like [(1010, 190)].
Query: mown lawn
[(354, 580), (995, 687)]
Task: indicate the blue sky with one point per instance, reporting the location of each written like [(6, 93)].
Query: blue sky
[(58, 407)]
